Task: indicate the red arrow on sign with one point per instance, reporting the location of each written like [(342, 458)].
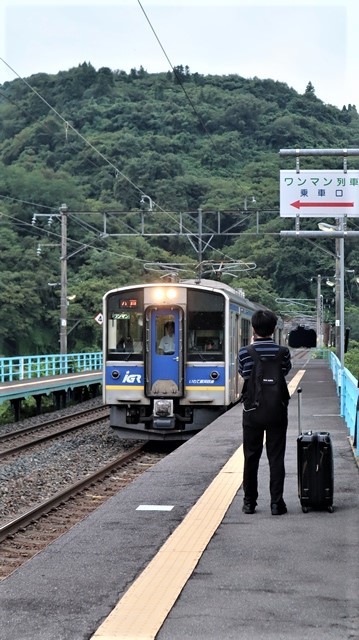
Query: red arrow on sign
[(298, 204)]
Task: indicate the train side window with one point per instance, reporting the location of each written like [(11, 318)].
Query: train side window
[(246, 332)]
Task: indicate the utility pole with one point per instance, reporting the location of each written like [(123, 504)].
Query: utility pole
[(339, 291), (63, 309), (319, 313), (200, 244)]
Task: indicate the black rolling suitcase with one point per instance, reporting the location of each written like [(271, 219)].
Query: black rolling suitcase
[(315, 467)]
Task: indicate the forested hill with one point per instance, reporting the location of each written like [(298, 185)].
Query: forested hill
[(100, 140)]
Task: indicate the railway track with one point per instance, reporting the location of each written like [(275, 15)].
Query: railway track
[(25, 535), (32, 531), (301, 357), (15, 441)]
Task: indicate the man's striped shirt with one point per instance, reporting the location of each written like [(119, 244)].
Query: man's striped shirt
[(263, 346)]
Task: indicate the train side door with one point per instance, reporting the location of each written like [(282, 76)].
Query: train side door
[(164, 362), (237, 382)]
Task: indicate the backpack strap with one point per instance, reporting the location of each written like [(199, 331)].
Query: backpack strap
[(253, 353)]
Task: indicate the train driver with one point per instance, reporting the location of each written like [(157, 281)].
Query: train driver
[(167, 343)]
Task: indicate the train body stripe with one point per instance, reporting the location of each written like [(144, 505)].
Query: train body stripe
[(128, 387), (201, 388), (124, 387)]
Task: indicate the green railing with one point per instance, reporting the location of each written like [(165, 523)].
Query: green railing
[(27, 367)]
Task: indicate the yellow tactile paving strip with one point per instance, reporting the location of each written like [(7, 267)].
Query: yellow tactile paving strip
[(295, 381), (142, 610)]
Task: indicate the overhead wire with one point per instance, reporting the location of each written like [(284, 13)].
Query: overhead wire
[(33, 204), (104, 158), (178, 78), (48, 232)]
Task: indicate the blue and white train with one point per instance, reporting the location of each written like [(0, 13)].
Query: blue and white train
[(157, 395)]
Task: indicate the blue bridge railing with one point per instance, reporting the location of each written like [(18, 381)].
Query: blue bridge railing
[(348, 390), (26, 367)]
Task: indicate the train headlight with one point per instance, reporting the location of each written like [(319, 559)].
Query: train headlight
[(171, 294), (158, 295), (214, 375), (164, 294)]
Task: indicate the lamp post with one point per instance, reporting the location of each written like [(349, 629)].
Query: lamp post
[(253, 201), (319, 312), (339, 285), (330, 281)]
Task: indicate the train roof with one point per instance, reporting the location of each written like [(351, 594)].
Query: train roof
[(206, 283), (217, 284), (214, 284)]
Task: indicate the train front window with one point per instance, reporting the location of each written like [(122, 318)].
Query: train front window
[(165, 335), (125, 326), (205, 325)]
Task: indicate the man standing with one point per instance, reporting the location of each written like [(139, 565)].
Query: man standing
[(264, 323)]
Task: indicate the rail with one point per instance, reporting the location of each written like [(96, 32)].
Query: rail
[(27, 367), (348, 390)]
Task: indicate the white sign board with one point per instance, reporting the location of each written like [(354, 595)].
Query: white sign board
[(319, 194), (99, 318)]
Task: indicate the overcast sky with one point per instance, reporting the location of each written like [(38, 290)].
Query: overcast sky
[(310, 40)]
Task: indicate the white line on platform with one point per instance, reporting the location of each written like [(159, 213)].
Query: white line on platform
[(154, 507)]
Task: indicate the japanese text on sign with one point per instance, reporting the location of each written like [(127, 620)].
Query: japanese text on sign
[(319, 193)]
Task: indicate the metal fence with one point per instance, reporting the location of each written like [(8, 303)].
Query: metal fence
[(27, 367), (348, 390)]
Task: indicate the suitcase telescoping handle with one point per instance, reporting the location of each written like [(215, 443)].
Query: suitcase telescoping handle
[(299, 391)]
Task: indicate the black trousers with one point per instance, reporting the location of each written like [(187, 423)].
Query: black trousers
[(253, 436)]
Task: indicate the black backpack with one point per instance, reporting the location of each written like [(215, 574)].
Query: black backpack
[(266, 393)]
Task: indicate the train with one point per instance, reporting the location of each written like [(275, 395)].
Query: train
[(170, 356)]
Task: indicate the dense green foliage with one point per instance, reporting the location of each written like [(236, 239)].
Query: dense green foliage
[(99, 140), (351, 359)]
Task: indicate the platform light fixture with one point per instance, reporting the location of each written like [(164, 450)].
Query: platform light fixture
[(252, 200), (146, 201)]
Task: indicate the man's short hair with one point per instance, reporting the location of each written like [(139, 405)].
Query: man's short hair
[(264, 323)]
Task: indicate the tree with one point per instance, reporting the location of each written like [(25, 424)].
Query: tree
[(208, 147), (309, 89)]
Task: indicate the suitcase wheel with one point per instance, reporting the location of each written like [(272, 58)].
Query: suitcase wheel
[(331, 509), (305, 509)]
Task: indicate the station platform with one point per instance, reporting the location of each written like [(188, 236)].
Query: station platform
[(172, 556), (47, 384), (17, 390)]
